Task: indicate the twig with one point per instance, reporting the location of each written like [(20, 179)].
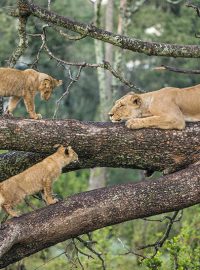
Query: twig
[(164, 218), (159, 243), (51, 259), (130, 251), (194, 7), (179, 70), (104, 65), (35, 62), (88, 246), (69, 37), (174, 2), (66, 93)]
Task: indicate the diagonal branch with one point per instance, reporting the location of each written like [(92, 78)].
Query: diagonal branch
[(88, 211), (125, 42)]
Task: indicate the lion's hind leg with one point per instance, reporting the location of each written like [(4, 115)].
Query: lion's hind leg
[(12, 104), (8, 209)]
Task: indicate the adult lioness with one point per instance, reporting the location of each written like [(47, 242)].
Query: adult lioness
[(18, 84), (167, 108)]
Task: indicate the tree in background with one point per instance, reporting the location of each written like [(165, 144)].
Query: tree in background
[(43, 44)]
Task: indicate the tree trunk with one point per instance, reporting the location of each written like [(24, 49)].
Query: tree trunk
[(88, 211), (99, 144)]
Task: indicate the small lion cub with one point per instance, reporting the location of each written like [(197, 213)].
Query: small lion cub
[(39, 177), (18, 84)]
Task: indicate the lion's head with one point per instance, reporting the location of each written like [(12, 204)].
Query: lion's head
[(66, 153), (126, 107), (46, 86)]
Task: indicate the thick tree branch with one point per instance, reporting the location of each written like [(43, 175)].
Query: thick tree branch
[(136, 45), (12, 163), (97, 144), (88, 211)]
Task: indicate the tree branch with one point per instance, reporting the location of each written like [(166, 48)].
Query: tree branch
[(88, 211), (98, 145), (125, 42), (23, 42), (179, 70)]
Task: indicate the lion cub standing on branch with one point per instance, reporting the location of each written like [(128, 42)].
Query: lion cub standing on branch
[(18, 84), (167, 108), (37, 178)]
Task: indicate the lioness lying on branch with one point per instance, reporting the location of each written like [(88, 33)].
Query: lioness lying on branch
[(167, 108)]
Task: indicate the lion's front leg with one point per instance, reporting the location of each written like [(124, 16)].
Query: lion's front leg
[(156, 122), (48, 192), (30, 106), (136, 123)]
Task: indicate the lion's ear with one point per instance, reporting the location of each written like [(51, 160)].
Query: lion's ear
[(136, 100), (57, 82), (59, 148)]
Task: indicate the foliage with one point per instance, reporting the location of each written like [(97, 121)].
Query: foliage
[(177, 24)]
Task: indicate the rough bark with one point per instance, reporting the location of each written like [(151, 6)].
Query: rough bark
[(99, 144), (14, 162), (1, 105), (88, 211), (125, 42)]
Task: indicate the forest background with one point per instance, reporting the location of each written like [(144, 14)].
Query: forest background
[(162, 21)]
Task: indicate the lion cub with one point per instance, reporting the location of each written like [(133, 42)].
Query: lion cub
[(18, 84), (37, 178), (167, 108)]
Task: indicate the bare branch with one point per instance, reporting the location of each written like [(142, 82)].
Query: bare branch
[(194, 7), (174, 2), (149, 48), (179, 70), (159, 243), (105, 65), (66, 93), (89, 247)]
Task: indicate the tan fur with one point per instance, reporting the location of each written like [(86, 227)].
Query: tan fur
[(18, 84), (37, 178), (167, 108)]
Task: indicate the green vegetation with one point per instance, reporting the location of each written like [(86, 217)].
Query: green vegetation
[(176, 24)]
